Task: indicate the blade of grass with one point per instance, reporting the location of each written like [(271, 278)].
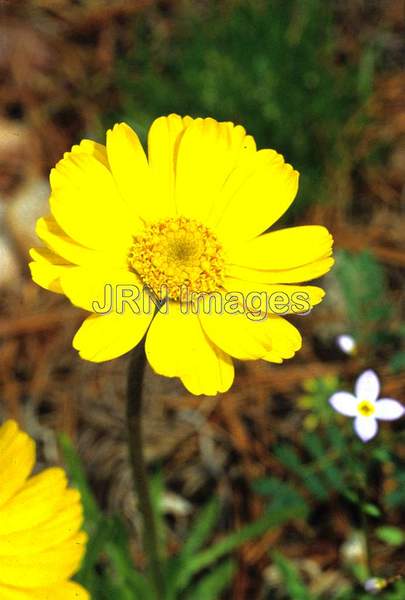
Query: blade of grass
[(205, 558)]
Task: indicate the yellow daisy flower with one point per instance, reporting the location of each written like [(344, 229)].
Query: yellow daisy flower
[(187, 223), (40, 543)]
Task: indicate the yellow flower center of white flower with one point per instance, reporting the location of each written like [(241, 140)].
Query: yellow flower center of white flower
[(176, 257), (366, 408)]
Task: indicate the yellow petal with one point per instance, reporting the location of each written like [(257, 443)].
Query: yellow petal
[(208, 151), (133, 176), (283, 249), (302, 273), (17, 457), (48, 257), (176, 346), (49, 567), (249, 338), (61, 591), (13, 593), (102, 338), (285, 256), (46, 269), (277, 298), (61, 526), (35, 503), (104, 290), (57, 240), (286, 339), (163, 140), (86, 204), (255, 195), (93, 148)]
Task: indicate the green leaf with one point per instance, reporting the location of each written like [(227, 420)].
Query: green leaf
[(293, 583), (126, 573), (397, 362), (156, 494), (352, 496), (383, 455), (396, 592), (335, 436), (366, 72), (396, 497), (78, 476), (289, 457), (391, 535), (371, 509), (213, 584), (95, 545), (330, 474), (201, 529), (228, 544), (363, 284)]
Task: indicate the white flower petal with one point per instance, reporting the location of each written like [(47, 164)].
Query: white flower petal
[(367, 386), (388, 409), (365, 427), (346, 343), (344, 403)]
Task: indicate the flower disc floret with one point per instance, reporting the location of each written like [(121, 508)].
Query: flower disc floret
[(366, 408), (178, 256)]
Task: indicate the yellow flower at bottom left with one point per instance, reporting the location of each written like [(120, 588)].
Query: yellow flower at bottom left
[(41, 545)]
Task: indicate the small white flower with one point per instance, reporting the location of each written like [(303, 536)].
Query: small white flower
[(346, 343), (375, 585), (365, 406)]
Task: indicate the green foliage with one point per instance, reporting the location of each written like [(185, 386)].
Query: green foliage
[(107, 571), (291, 577), (397, 592), (228, 544), (327, 459), (320, 465), (396, 497), (295, 588), (393, 592), (197, 572), (213, 584), (269, 65), (364, 289), (201, 529), (321, 473), (315, 399), (326, 464), (391, 535), (281, 494), (397, 362)]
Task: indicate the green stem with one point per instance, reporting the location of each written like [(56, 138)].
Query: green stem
[(367, 541), (136, 374), (362, 488)]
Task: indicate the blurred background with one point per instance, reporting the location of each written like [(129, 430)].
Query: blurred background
[(324, 84)]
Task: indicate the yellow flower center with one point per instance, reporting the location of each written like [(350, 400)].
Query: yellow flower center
[(366, 408), (176, 257)]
